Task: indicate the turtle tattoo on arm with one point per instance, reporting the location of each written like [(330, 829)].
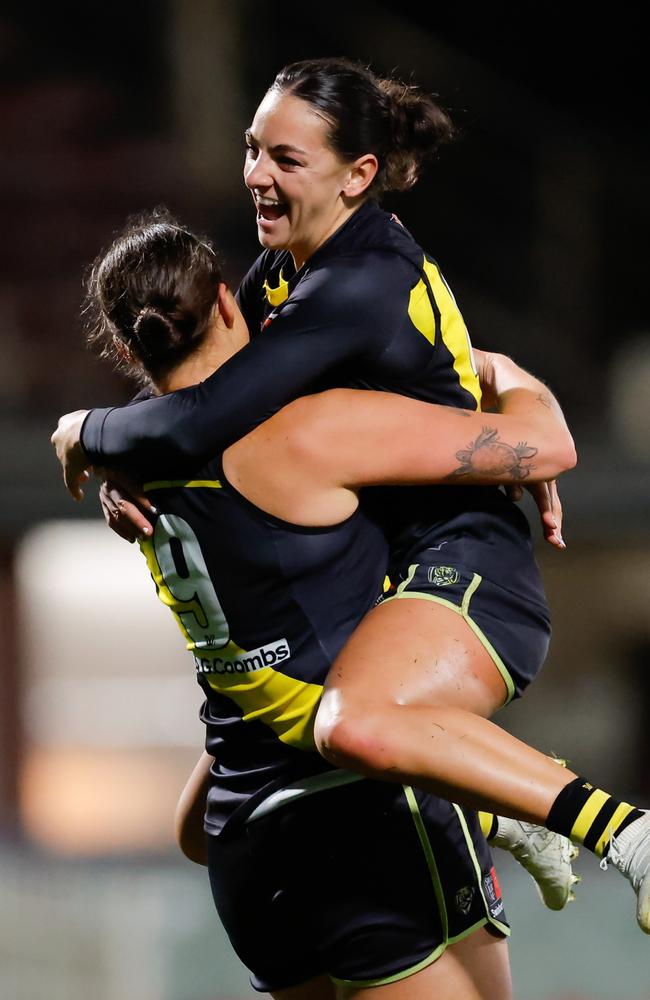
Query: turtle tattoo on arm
[(488, 455)]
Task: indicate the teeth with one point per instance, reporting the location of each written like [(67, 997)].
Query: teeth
[(261, 200)]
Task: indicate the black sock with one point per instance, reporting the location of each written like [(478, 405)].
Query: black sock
[(589, 816)]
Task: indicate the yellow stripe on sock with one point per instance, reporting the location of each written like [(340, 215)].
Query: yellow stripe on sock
[(622, 812), (587, 815), (486, 820)]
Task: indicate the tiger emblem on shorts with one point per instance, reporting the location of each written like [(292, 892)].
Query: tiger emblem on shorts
[(463, 900), (443, 576)]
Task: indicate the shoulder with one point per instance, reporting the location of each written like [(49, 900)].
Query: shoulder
[(358, 280)]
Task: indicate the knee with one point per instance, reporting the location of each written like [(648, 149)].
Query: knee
[(353, 738)]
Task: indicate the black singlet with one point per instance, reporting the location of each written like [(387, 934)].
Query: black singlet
[(265, 607)]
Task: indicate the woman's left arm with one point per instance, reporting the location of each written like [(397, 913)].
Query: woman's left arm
[(356, 439)]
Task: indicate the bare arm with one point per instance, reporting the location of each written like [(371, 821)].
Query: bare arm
[(391, 439), (308, 461)]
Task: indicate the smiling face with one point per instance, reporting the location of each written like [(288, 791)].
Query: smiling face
[(303, 191)]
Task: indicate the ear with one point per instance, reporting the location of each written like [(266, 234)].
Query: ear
[(226, 305), (123, 352), (362, 173)]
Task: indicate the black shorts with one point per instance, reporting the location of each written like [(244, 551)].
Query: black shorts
[(366, 883), (514, 630)]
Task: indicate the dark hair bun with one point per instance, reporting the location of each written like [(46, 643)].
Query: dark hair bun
[(162, 331), (154, 333), (153, 290), (420, 128), (396, 121)]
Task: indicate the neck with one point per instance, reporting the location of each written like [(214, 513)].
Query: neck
[(346, 211), (194, 369)]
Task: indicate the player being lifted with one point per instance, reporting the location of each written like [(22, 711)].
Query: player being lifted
[(349, 296)]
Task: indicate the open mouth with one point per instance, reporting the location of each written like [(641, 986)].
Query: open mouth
[(270, 209)]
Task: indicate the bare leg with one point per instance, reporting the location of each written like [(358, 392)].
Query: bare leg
[(408, 699), (476, 968), (321, 988)]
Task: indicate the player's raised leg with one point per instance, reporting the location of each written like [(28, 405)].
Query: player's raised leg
[(408, 700)]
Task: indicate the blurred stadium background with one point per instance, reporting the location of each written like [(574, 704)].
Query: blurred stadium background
[(539, 216)]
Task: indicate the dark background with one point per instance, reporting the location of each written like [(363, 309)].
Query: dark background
[(538, 216), (538, 213)]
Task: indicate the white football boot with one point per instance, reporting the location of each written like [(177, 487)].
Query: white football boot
[(630, 854), (545, 855)]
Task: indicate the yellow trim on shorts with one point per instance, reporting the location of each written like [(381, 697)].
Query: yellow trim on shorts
[(430, 857), (412, 969), (463, 611), (427, 850), (440, 898), (187, 484), (505, 930)]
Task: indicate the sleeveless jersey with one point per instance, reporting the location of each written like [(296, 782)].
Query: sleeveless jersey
[(264, 606)]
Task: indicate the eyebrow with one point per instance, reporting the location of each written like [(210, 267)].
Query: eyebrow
[(282, 147)]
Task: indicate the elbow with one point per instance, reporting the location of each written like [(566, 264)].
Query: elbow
[(189, 834), (567, 457), (555, 456), (192, 844), (571, 455)]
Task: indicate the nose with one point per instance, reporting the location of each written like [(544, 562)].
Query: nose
[(258, 172)]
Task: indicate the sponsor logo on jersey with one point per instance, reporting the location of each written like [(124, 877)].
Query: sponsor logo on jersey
[(464, 898), (244, 662), (443, 576), (493, 893)]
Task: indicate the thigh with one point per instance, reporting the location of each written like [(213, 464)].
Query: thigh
[(476, 968), (320, 988), (414, 652), (447, 637)]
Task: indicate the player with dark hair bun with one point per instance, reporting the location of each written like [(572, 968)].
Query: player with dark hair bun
[(268, 564), (344, 295), (161, 324), (402, 126)]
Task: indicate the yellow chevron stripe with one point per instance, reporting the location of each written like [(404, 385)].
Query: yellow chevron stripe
[(286, 705), (276, 296), (187, 484)]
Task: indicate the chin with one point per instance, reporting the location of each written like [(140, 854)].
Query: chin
[(270, 242)]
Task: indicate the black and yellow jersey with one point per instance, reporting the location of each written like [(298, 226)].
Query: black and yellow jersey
[(264, 607), (369, 308)]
